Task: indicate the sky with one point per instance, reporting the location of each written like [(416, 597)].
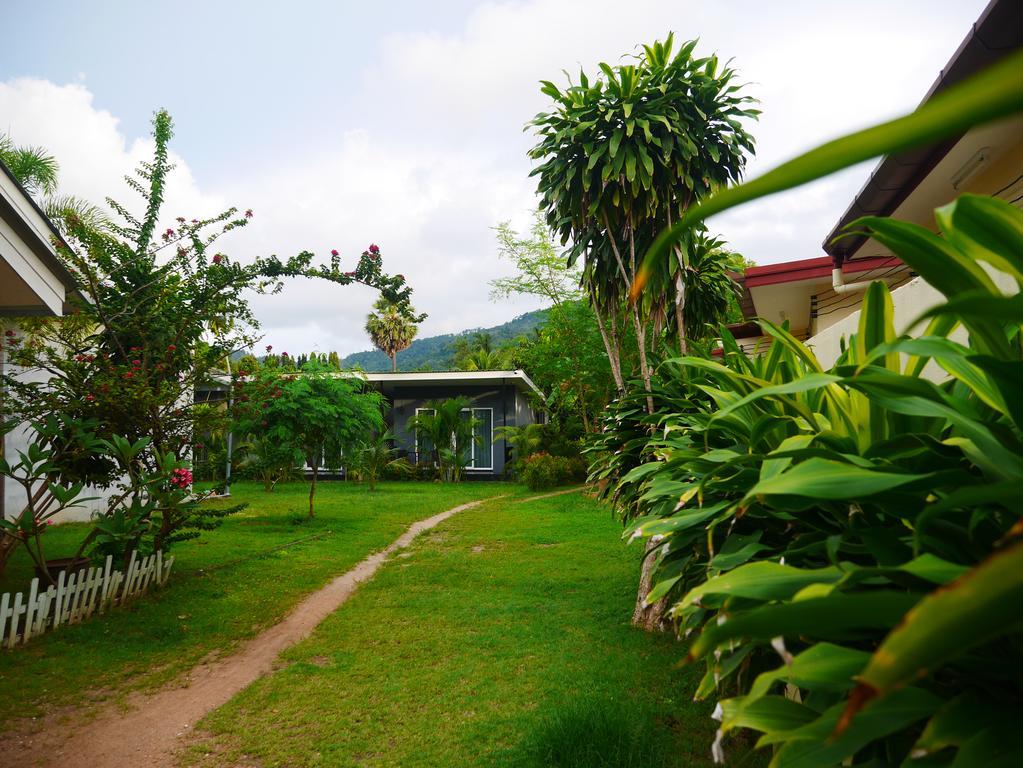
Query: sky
[(401, 123)]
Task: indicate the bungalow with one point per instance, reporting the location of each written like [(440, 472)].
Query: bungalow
[(499, 399), (33, 282), (821, 297)]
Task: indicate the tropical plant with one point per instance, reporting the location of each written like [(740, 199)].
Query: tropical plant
[(623, 156), (842, 547), (524, 440), (317, 415), (565, 357), (157, 311), (390, 329), (445, 432), (373, 459), (266, 458)]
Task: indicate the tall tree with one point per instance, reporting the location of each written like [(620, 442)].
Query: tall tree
[(560, 356), (623, 156), (390, 329)]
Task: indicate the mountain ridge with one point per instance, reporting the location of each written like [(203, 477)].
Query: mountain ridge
[(435, 352)]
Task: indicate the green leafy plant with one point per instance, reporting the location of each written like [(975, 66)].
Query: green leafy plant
[(842, 546), (541, 470), (376, 458), (445, 433)]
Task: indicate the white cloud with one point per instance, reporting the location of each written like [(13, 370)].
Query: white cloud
[(435, 154)]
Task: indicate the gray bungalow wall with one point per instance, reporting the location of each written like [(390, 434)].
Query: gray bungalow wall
[(509, 404)]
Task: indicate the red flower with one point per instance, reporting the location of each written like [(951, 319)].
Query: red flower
[(217, 258), (334, 252), (401, 277), (136, 363), (128, 375), (374, 248), (90, 397), (248, 214), (181, 478), (171, 347), (8, 333), (284, 354)]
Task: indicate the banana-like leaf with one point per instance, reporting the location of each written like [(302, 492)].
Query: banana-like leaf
[(834, 617), (995, 93), (822, 666), (762, 581), (988, 228), (825, 479), (976, 608)]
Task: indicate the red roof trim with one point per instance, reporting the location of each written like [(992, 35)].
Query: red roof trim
[(812, 269)]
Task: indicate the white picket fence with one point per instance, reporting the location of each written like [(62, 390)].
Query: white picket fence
[(77, 597)]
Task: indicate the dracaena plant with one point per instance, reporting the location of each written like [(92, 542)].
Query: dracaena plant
[(842, 548)]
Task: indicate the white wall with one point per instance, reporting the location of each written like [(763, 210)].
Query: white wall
[(909, 301)]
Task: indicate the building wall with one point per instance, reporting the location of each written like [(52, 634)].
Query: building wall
[(909, 302), (14, 497), (509, 406)]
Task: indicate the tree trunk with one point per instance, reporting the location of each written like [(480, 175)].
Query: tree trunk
[(644, 367), (649, 617), (612, 353), (312, 489), (394, 361), (680, 305)]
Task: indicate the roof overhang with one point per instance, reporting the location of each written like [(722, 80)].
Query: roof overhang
[(997, 32), (516, 378), (32, 279)]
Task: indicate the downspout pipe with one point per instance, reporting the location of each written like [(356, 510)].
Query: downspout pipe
[(838, 284)]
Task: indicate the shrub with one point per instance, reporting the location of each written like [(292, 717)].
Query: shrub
[(842, 547), (541, 470)]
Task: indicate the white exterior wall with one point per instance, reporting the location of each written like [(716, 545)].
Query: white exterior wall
[(909, 301), (18, 440)]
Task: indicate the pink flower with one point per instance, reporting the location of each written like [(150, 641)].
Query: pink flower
[(136, 363), (374, 248), (181, 478), (334, 252), (128, 375)]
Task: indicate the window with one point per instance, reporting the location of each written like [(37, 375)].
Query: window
[(424, 446), (482, 448), (479, 454)]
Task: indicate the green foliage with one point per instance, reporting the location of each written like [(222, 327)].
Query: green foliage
[(437, 353), (390, 329), (541, 471), (266, 458), (445, 433), (157, 311), (842, 546), (316, 416), (376, 458), (624, 155), (992, 94)]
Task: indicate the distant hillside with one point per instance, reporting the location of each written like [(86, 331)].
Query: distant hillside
[(435, 352)]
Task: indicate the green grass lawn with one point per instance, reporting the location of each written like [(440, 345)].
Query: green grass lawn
[(501, 638), (212, 601)]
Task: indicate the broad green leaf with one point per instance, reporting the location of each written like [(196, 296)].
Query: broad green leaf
[(762, 581), (766, 714), (822, 666), (825, 479), (834, 617), (814, 745), (978, 607)]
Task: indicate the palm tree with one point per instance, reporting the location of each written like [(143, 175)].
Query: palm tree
[(446, 429), (37, 171), (390, 330), (372, 459), (484, 360)]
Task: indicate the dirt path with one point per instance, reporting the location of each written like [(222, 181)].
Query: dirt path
[(152, 728), (549, 495)]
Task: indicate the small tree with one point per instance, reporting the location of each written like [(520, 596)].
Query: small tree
[(390, 329), (318, 413), (371, 459)]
